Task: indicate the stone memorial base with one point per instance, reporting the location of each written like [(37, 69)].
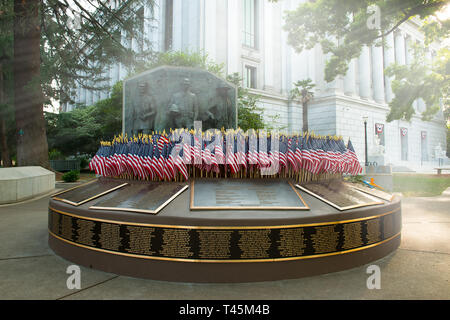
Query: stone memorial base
[(22, 183), (208, 245)]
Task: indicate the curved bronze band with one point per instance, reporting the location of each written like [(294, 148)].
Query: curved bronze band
[(219, 272), (229, 260), (309, 241), (224, 227)]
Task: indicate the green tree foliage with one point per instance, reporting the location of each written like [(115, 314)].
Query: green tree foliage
[(185, 59), (249, 114), (79, 40), (340, 27), (81, 130), (303, 91), (423, 79), (58, 46)]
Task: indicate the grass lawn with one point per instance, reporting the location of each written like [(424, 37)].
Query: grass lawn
[(421, 185)]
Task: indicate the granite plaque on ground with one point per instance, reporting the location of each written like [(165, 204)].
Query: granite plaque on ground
[(150, 197), (235, 194), (372, 191), (339, 195), (89, 191)]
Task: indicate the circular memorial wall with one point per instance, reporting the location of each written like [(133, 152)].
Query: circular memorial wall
[(188, 237)]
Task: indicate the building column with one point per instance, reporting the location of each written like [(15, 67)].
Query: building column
[(209, 38), (421, 105), (364, 73), (177, 34), (89, 98), (234, 29), (268, 49), (349, 79), (400, 55), (377, 76), (409, 58), (389, 58)]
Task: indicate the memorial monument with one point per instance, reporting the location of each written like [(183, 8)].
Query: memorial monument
[(218, 205), (174, 97)]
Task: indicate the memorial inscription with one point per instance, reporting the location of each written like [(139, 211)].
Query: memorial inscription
[(291, 243), (176, 243), (150, 197), (325, 239), (140, 240), (227, 244), (110, 236), (352, 235), (88, 191), (339, 195), (254, 243), (373, 231), (85, 232), (245, 195), (215, 244)]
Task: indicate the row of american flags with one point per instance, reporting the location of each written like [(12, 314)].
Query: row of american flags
[(183, 154)]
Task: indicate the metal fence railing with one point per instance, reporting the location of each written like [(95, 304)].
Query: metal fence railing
[(65, 165)]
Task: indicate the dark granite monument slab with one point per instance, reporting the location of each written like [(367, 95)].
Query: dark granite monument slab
[(89, 191), (372, 191), (235, 194), (339, 195), (148, 197), (175, 97)]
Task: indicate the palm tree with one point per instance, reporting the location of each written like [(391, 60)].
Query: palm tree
[(303, 91)]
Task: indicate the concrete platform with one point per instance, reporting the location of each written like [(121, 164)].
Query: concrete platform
[(417, 270), (22, 183)]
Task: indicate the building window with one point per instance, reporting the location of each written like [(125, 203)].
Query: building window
[(424, 145), (168, 25), (249, 31), (404, 143), (250, 77)]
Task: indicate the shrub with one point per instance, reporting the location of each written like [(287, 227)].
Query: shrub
[(55, 155), (84, 162), (71, 176)]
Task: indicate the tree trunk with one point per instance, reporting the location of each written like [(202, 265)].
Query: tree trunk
[(32, 147), (305, 117), (6, 159)]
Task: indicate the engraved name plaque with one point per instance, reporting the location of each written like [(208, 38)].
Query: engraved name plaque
[(149, 197), (225, 243), (87, 192), (245, 195)]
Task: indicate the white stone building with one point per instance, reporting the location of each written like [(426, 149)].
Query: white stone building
[(247, 37)]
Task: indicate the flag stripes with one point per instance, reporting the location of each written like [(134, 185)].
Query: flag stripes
[(234, 154)]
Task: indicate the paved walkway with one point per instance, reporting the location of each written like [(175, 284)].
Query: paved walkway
[(419, 269)]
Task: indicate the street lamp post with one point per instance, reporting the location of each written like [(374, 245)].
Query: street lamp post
[(365, 139)]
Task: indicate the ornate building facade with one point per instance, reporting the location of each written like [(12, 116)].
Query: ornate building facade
[(247, 37)]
